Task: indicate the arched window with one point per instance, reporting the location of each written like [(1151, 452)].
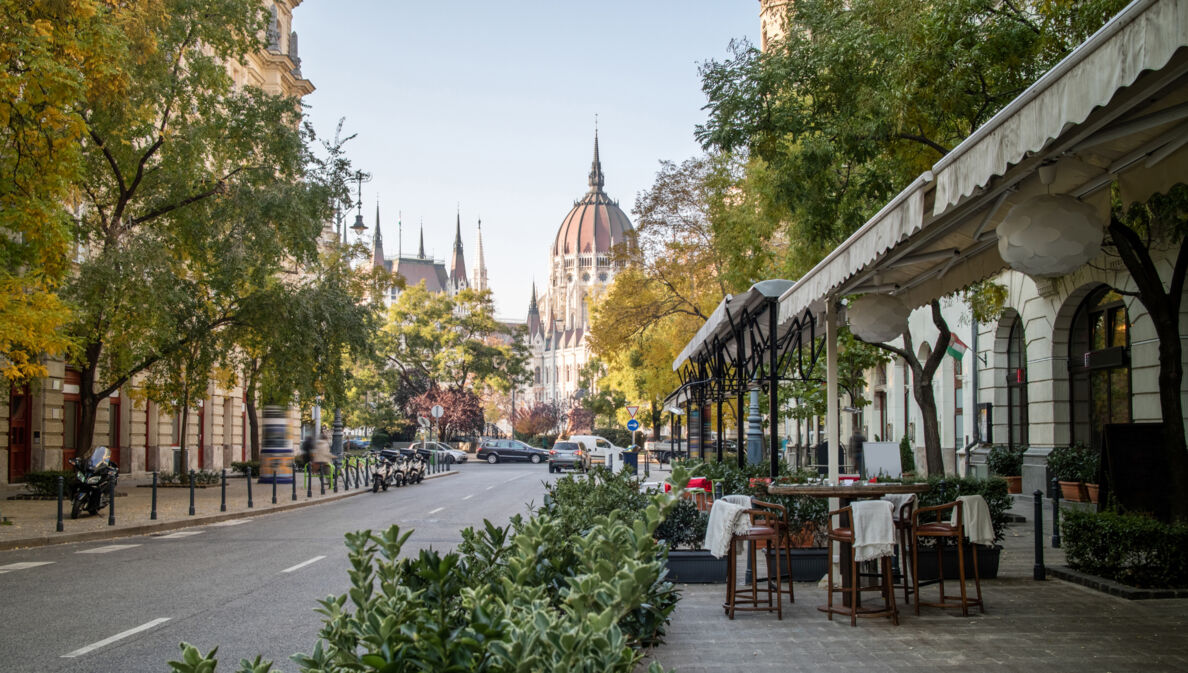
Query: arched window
[(1099, 366), (1016, 383)]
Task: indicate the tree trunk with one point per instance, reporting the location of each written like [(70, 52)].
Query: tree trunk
[(88, 402), (181, 436), (656, 414), (925, 397), (1163, 306)]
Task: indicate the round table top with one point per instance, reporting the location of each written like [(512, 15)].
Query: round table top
[(858, 489)]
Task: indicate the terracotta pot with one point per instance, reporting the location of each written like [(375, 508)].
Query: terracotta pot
[(1014, 484), (1071, 491), (1091, 490)]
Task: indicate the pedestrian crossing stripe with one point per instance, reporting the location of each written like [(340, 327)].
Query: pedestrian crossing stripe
[(108, 549)]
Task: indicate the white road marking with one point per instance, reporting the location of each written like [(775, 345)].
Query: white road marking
[(468, 497), (513, 478), (301, 565), (23, 565), (435, 511), (490, 487), (231, 522), (107, 641), (179, 534), (109, 548)]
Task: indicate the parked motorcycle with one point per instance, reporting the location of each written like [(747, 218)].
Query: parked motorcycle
[(416, 466), (399, 470), (381, 476), (94, 479)]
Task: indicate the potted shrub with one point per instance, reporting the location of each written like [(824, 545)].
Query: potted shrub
[(945, 489), (1067, 465), (907, 458), (683, 532), (1007, 463)]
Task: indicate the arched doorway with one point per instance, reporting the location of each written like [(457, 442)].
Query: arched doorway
[(1099, 366), (19, 422), (1016, 385)]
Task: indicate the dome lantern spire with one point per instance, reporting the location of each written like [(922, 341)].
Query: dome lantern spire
[(597, 180)]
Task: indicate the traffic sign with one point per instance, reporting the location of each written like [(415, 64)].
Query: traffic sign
[(632, 409), (633, 425), (423, 421), (437, 411)]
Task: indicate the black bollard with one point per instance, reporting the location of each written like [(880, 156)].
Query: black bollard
[(1039, 573), (191, 493), (322, 481), (153, 511), (223, 493), (940, 487), (334, 478), (111, 504), (1055, 514), (294, 485), (249, 483), (274, 487), (308, 482), (61, 485)]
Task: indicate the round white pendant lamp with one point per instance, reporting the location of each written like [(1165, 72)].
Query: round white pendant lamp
[(1049, 235), (877, 318)]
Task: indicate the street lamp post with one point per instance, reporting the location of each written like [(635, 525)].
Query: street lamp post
[(358, 227)]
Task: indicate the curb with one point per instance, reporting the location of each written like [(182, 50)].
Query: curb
[(189, 522), (1113, 588)]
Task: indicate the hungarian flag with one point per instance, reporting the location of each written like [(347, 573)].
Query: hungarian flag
[(957, 347)]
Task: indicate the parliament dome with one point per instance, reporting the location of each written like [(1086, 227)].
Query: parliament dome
[(596, 223)]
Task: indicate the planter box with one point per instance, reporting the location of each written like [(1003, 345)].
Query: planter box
[(696, 566), (808, 565), (987, 563), (1014, 484)]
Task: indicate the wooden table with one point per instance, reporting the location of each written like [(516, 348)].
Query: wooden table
[(846, 494)]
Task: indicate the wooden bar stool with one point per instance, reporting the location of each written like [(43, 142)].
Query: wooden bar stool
[(844, 535), (783, 549), (938, 531), (764, 529), (902, 518)]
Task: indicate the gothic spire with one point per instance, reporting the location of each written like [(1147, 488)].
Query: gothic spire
[(377, 241), (421, 250), (480, 272), (458, 260), (596, 178)]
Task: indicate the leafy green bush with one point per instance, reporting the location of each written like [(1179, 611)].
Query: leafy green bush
[(907, 457), (944, 489), (45, 482), (242, 466), (531, 597), (1076, 462), (1128, 548), (1005, 461), (683, 527)]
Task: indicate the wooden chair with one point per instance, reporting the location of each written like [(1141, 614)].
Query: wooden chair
[(784, 546), (903, 550), (844, 534), (938, 531), (763, 529)]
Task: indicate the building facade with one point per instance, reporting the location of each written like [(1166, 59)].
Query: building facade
[(581, 265), (432, 273), (39, 421)]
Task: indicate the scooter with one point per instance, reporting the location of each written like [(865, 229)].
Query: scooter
[(381, 475), (415, 466), (94, 479), (397, 474)]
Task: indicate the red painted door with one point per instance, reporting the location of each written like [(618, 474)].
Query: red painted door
[(19, 420), (71, 417)]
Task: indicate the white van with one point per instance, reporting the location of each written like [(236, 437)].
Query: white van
[(599, 451)]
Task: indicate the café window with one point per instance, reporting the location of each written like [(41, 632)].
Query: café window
[(1016, 384), (1099, 366)]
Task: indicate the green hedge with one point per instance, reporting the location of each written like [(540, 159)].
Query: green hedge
[(45, 482), (1126, 548), (534, 596), (242, 466)]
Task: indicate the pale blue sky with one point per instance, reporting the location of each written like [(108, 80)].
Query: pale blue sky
[(491, 105)]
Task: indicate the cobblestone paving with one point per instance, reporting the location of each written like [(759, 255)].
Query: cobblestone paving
[(1029, 626)]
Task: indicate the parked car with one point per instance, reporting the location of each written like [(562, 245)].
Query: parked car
[(664, 451), (497, 450), (598, 450), (565, 454), (444, 452)]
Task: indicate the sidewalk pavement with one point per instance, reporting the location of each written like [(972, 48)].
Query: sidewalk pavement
[(1028, 626), (33, 523)]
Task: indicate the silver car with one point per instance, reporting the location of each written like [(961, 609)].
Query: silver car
[(444, 452), (565, 454)]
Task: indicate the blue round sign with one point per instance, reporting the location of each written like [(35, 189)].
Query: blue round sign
[(633, 425)]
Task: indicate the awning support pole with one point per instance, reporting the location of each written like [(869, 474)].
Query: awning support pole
[(773, 380), (831, 415)]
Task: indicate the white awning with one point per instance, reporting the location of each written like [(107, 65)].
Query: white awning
[(1142, 37), (1115, 109), (731, 308)]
